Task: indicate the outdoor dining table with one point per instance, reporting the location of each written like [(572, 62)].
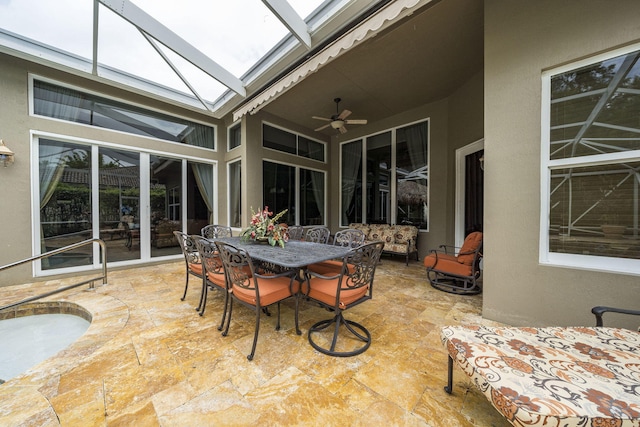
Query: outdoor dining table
[(296, 255)]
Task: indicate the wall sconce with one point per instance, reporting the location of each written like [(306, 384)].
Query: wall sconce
[(481, 160), (6, 155)]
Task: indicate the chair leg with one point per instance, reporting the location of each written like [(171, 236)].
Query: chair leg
[(356, 329), (186, 286), (298, 331), (255, 336), (226, 329), (203, 297), (224, 312)]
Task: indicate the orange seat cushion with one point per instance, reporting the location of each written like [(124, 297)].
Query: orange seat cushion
[(325, 290), (271, 291), (217, 279), (195, 268), (471, 243), (447, 263)]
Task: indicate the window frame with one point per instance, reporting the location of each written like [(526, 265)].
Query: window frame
[(297, 168), (31, 101), (297, 136), (94, 146), (393, 176), (547, 165), (230, 130)]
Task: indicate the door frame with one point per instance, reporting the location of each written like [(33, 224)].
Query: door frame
[(461, 154)]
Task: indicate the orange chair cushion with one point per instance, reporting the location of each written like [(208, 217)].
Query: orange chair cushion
[(271, 291), (195, 268), (471, 243), (217, 279), (329, 268), (325, 290), (448, 264)]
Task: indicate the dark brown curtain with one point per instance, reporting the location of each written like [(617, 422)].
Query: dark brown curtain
[(474, 193)]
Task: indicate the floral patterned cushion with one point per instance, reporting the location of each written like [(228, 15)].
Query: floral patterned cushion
[(375, 232), (553, 376), (360, 226)]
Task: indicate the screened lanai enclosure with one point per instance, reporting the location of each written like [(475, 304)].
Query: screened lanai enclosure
[(594, 189)]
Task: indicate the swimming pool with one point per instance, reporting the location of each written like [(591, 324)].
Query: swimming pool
[(36, 332)]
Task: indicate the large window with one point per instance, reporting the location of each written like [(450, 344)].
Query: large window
[(73, 105), (591, 154), (392, 187), (300, 191), (134, 201)]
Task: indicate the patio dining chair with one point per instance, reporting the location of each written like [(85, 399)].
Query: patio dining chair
[(296, 232), (213, 275), (253, 290), (191, 258), (214, 231), (350, 237), (318, 234), (339, 293), (456, 273)]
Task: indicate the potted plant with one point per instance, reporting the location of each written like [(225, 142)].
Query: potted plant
[(265, 228)]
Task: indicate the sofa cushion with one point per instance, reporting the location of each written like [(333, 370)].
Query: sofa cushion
[(375, 232), (405, 233), (388, 235), (360, 226)]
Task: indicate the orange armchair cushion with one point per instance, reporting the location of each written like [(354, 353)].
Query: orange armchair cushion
[(471, 243), (447, 263)]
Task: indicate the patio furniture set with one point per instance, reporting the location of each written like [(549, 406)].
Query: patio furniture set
[(258, 275)]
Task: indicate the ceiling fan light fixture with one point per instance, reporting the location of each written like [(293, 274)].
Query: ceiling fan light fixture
[(337, 124)]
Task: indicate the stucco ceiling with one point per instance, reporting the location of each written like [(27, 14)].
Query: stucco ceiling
[(422, 59)]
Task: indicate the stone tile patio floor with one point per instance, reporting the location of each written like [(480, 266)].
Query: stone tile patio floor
[(148, 359)]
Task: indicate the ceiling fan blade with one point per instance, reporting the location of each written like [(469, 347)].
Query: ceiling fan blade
[(342, 129), (323, 127), (356, 122), (344, 114), (321, 118)]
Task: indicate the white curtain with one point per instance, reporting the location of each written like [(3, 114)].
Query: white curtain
[(235, 191), (204, 178)]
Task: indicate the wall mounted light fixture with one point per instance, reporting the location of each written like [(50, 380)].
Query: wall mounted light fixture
[(6, 155)]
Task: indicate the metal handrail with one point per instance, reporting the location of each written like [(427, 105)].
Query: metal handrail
[(103, 246)]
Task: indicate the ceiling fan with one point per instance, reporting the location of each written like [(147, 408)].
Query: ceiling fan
[(338, 120)]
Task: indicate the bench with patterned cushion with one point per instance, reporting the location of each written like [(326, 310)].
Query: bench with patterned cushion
[(552, 376), (398, 239)]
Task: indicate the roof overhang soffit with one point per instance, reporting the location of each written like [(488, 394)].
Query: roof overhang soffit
[(387, 16)]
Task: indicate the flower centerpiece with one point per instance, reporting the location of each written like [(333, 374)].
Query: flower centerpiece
[(264, 226)]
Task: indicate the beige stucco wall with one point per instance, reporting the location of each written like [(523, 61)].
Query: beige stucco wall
[(15, 127), (523, 38)]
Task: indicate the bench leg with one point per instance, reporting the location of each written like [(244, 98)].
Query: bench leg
[(449, 387)]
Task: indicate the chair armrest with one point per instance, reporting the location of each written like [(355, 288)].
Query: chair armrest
[(447, 249), (598, 311)]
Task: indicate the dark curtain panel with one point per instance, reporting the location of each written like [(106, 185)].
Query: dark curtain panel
[(474, 194)]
